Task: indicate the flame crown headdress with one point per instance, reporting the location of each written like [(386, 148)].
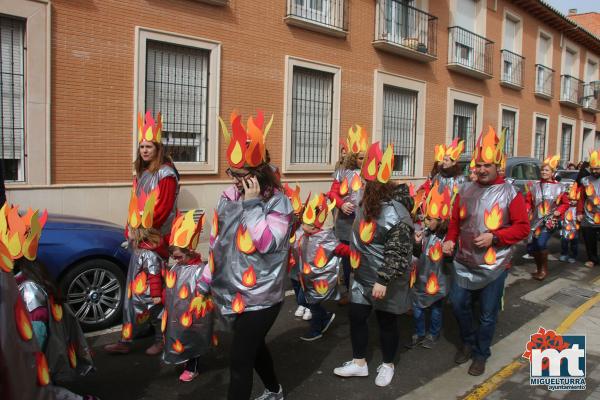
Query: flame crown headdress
[(378, 166), (294, 196), (20, 234), (141, 208), (358, 139), (148, 129), (437, 205), (246, 145), (316, 210), (574, 192), (185, 232), (552, 161), (453, 150), (490, 147), (595, 159)]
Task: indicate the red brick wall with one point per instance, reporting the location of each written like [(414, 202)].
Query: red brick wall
[(590, 21)]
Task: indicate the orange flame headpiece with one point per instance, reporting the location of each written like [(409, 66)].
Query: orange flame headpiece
[(574, 192), (316, 210), (378, 166), (489, 148), (148, 129), (294, 196), (141, 209), (437, 205), (185, 232), (358, 139), (552, 161), (595, 159), (21, 234), (246, 145), (453, 150)]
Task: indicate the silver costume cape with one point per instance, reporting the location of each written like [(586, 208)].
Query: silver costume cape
[(453, 183), (432, 278), (294, 261), (370, 257), (187, 320), (474, 268), (320, 266), (148, 182), (343, 222), (544, 198), (570, 226), (591, 207)]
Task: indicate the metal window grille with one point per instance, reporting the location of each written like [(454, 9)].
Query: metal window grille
[(512, 68), (571, 89), (177, 86), (565, 141), (540, 138), (470, 50), (543, 80), (400, 127), (332, 13), (509, 119), (312, 115), (12, 90), (464, 123)]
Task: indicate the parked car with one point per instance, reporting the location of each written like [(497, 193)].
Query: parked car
[(522, 170), (89, 259)]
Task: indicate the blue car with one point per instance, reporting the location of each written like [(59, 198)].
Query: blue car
[(89, 259)]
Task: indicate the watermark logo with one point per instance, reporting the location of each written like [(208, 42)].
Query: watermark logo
[(556, 361)]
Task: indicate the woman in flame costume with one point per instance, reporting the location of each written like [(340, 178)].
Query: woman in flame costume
[(319, 253), (187, 321), (143, 298), (249, 242), (429, 279), (588, 209), (346, 192), (547, 202), (155, 173), (488, 218), (381, 252), (448, 173), (569, 231)]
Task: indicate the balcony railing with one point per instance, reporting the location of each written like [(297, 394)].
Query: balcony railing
[(543, 81), (591, 96), (326, 16), (512, 69), (406, 30), (470, 53), (571, 90)]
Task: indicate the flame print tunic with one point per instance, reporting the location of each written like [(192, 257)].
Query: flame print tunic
[(591, 206), (430, 280), (294, 261), (570, 226), (319, 266), (544, 201), (351, 190)]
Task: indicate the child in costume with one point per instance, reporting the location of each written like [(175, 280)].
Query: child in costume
[(429, 279), (319, 259), (143, 300), (569, 232), (187, 321)]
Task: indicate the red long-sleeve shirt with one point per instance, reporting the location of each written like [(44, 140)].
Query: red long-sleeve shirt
[(166, 199), (334, 194), (563, 201), (517, 230)]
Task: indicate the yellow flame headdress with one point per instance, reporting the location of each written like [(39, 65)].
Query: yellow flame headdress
[(574, 192), (489, 148), (185, 232), (453, 150), (378, 166), (20, 234), (148, 129), (552, 161), (141, 208), (294, 196), (437, 205), (595, 159), (316, 210), (358, 139), (246, 145)]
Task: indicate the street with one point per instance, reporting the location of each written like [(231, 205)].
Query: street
[(305, 369)]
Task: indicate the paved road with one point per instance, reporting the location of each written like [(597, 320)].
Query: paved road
[(305, 369)]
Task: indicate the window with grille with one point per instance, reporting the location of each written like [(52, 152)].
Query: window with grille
[(400, 127), (565, 142), (312, 111), (464, 123), (509, 120), (12, 89), (539, 149), (177, 86)]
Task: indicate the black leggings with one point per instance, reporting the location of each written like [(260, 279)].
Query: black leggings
[(359, 331), (249, 352), (590, 238)]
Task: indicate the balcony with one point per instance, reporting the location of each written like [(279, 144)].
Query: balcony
[(405, 30), (512, 70), (571, 90), (591, 97), (469, 53), (324, 16), (543, 81)]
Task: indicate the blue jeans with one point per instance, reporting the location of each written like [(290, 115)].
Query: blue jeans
[(436, 318), (320, 316), (480, 338), (300, 299), (566, 243), (540, 243)]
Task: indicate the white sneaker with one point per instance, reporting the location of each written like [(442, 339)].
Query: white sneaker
[(385, 373), (299, 311), (528, 257), (267, 395), (307, 315), (350, 368)]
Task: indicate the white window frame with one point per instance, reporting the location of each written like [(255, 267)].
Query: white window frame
[(537, 115), (455, 94), (142, 35), (595, 60), (288, 166), (547, 61), (502, 107), (518, 39), (586, 125), (568, 45), (380, 80), (567, 121)]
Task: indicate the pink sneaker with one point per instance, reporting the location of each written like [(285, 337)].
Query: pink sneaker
[(187, 376)]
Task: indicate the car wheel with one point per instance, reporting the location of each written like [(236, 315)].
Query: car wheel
[(93, 290)]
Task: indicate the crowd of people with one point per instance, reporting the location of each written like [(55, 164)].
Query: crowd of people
[(391, 249)]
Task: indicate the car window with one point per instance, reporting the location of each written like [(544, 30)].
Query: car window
[(531, 172), (517, 172)]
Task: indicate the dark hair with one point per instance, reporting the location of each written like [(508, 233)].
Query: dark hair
[(37, 272), (268, 180), (351, 161), (162, 157), (184, 250), (583, 172), (375, 194), (453, 171), (434, 169)]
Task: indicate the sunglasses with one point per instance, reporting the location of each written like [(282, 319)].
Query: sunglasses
[(236, 175)]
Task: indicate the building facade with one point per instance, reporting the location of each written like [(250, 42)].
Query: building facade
[(413, 73)]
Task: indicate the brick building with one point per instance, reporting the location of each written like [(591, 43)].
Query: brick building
[(413, 72), (589, 20)]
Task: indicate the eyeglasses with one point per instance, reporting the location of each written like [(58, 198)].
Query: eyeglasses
[(236, 175)]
